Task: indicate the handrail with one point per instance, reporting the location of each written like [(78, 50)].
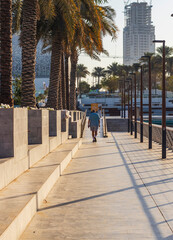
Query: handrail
[(83, 123), (104, 125), (157, 134)]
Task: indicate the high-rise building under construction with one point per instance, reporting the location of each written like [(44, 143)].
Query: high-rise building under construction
[(138, 32)]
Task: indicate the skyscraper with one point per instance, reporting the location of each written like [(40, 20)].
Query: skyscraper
[(138, 32)]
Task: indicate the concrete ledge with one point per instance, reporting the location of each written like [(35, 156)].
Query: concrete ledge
[(64, 136), (46, 187), (36, 153), (22, 198), (54, 129), (13, 144), (75, 124), (11, 168), (21, 221), (54, 142), (75, 129), (41, 129), (75, 149)]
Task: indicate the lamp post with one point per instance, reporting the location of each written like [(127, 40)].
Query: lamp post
[(163, 101), (134, 74), (149, 104), (128, 99), (128, 108), (121, 91), (121, 101), (124, 97), (135, 107), (131, 108), (141, 106)]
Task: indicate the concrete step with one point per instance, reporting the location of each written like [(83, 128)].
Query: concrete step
[(21, 199)]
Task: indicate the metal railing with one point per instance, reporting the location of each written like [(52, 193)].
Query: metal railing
[(157, 134), (104, 125), (83, 122)]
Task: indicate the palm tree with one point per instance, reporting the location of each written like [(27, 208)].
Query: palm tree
[(98, 72), (89, 17), (113, 69), (168, 58), (168, 51), (82, 72), (62, 28), (98, 22), (155, 68), (170, 65), (67, 80), (6, 52), (63, 81), (29, 42), (33, 28), (124, 69)]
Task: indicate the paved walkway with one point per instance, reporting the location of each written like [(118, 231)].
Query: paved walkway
[(113, 189)]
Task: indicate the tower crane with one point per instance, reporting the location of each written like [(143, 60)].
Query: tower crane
[(126, 2)]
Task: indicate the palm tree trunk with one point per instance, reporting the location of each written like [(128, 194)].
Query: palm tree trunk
[(0, 48), (54, 86), (6, 52), (80, 87), (77, 82), (64, 103), (74, 60), (28, 37), (98, 81), (67, 80), (60, 105)]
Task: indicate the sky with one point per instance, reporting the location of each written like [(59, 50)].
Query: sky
[(162, 20)]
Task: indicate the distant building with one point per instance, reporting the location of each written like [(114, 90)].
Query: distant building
[(42, 60), (138, 32)]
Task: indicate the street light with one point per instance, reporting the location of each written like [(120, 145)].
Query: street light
[(150, 107), (124, 97), (131, 108), (128, 91), (134, 74), (163, 102), (120, 88), (141, 106)]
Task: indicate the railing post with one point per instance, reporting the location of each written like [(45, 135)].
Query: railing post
[(128, 112), (135, 107), (131, 114), (150, 110), (141, 119), (104, 125), (163, 108)]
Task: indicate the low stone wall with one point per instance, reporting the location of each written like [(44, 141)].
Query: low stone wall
[(26, 136), (75, 124)]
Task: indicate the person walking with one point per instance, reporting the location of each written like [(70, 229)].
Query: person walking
[(94, 123)]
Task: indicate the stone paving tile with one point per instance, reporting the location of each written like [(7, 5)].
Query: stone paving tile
[(113, 189)]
